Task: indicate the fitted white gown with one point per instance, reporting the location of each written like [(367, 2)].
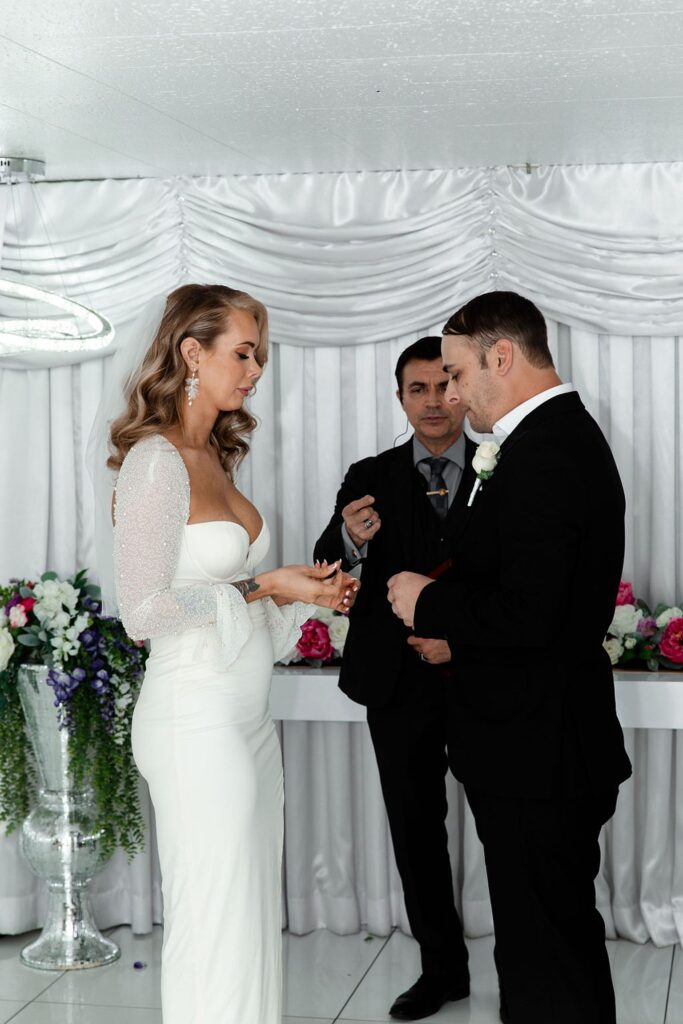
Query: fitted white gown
[(204, 741)]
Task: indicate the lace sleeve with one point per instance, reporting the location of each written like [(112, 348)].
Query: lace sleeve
[(152, 505), (284, 623)]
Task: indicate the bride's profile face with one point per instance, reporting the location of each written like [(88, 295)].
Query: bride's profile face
[(228, 370)]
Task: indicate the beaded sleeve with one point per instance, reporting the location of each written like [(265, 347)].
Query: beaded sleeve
[(284, 623), (152, 506)]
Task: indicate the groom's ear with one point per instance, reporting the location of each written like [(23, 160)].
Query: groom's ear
[(503, 356)]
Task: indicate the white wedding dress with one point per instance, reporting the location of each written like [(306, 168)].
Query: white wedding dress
[(204, 741)]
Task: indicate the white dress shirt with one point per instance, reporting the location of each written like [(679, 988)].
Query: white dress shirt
[(503, 427)]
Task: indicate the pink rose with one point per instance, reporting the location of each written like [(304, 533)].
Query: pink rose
[(314, 642), (625, 593), (671, 644), (17, 616)]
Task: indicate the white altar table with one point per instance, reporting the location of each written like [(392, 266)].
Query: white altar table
[(645, 700)]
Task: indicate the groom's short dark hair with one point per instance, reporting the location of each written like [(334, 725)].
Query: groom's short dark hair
[(495, 315), (423, 348)]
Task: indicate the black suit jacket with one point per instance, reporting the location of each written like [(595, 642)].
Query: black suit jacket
[(410, 538), (537, 564)]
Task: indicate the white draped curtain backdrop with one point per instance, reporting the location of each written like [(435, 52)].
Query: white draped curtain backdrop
[(353, 267)]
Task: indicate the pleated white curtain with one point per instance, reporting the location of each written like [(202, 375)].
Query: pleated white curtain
[(354, 268)]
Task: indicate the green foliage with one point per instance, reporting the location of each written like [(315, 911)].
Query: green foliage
[(17, 771)]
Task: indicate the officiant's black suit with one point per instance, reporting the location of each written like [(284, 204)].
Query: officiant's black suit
[(533, 731), (406, 698)]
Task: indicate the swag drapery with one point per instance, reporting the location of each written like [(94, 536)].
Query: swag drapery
[(353, 267)]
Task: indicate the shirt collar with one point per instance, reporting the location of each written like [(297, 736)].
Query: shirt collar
[(503, 427), (456, 452)]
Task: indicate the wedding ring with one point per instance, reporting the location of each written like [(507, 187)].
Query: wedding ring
[(368, 524)]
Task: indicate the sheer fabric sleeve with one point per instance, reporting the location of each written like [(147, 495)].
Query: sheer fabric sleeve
[(151, 508), (285, 622)]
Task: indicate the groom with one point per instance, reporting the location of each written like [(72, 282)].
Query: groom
[(533, 729)]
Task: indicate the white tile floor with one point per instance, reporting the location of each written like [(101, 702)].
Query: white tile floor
[(328, 978)]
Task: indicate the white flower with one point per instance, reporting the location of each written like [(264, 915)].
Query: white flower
[(486, 457), (52, 596), (614, 648), (6, 648), (338, 628), (325, 615), (17, 616), (81, 622), (626, 619), (3, 618), (58, 622), (64, 646), (630, 643), (666, 616)]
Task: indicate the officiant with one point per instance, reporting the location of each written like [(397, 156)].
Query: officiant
[(397, 511)]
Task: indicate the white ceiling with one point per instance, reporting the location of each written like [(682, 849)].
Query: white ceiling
[(121, 88)]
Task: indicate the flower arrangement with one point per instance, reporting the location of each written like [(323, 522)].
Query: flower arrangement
[(322, 640), (95, 671), (638, 634)]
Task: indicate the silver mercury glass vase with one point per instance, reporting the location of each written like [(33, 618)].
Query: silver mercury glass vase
[(60, 841)]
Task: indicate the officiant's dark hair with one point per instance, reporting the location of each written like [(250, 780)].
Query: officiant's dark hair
[(424, 348), (495, 315)]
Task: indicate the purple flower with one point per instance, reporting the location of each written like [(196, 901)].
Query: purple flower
[(90, 640), (647, 627), (64, 685), (17, 599)]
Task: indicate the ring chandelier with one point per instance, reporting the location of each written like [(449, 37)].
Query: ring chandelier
[(80, 330)]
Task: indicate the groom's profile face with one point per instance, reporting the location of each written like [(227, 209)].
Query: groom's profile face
[(471, 385)]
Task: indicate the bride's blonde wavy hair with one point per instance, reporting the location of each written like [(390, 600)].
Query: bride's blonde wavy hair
[(155, 392)]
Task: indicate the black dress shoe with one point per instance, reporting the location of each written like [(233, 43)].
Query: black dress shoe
[(427, 996)]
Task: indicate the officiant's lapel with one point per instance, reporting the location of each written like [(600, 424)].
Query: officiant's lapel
[(404, 495)]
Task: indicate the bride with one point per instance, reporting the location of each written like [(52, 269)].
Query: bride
[(186, 547)]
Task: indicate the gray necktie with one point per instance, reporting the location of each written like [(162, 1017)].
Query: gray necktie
[(437, 490)]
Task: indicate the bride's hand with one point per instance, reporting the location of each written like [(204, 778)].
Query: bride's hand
[(314, 584), (341, 585)]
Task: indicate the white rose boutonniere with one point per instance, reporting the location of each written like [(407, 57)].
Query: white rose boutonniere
[(484, 463)]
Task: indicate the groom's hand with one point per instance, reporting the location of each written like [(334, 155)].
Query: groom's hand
[(404, 590), (434, 652)]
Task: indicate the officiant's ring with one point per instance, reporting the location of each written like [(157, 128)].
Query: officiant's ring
[(368, 524)]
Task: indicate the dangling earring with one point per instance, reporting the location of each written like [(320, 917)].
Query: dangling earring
[(192, 387)]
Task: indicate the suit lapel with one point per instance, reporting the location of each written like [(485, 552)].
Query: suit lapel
[(404, 492), (561, 405)]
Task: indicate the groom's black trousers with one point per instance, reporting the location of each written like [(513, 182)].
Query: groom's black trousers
[(409, 735), (542, 856)]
